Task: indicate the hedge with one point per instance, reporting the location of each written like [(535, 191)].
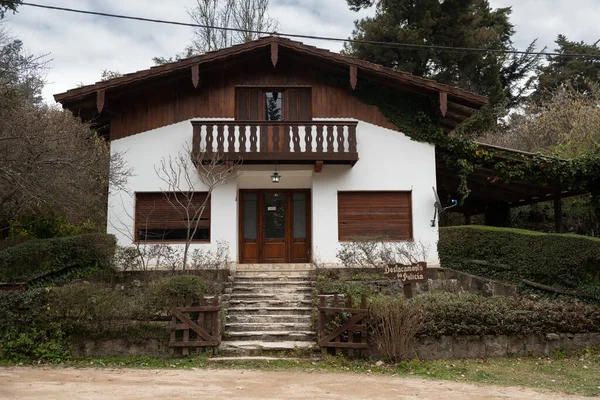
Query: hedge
[(454, 314), (561, 260), (39, 260)]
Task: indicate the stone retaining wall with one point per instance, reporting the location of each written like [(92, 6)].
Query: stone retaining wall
[(502, 345), (426, 348)]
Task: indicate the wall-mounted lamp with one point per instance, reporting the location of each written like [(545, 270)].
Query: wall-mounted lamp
[(275, 177)]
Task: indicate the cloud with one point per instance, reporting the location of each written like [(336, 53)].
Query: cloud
[(81, 46)]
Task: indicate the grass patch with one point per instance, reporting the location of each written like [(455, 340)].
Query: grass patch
[(574, 374)]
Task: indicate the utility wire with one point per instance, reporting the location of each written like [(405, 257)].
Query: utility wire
[(301, 36)]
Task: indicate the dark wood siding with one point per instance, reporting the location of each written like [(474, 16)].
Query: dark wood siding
[(159, 220), (374, 214), (215, 98)]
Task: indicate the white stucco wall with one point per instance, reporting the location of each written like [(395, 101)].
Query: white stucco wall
[(388, 161)]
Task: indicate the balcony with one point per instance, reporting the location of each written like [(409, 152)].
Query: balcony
[(255, 142)]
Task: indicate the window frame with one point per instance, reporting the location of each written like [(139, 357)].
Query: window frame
[(262, 104), (136, 238), (410, 211)]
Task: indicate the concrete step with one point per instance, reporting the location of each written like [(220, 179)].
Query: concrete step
[(272, 296), (272, 283), (269, 303), (273, 336), (262, 277), (269, 318), (270, 326), (257, 347), (274, 267), (269, 310)]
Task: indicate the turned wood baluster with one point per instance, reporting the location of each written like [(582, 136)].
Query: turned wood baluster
[(330, 140), (242, 139), (254, 139), (320, 137), (209, 138), (340, 138), (296, 139), (220, 139), (308, 138), (230, 138)]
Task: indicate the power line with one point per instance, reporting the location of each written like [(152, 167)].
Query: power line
[(325, 38)]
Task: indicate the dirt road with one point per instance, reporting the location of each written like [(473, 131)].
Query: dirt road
[(99, 384)]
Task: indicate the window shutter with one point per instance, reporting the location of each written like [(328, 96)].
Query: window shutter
[(242, 104), (154, 213), (374, 214)]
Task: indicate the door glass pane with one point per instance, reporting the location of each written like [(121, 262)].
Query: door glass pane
[(274, 215), (299, 205), (274, 106), (250, 209)]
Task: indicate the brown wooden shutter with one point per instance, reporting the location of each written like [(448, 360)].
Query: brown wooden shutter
[(304, 104), (374, 214), (255, 108), (290, 98), (242, 104), (154, 212)]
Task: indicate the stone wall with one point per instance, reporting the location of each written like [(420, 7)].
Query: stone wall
[(502, 345), (120, 347), (439, 279)]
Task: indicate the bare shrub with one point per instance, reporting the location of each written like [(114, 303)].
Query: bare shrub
[(376, 253), (211, 260), (394, 323)]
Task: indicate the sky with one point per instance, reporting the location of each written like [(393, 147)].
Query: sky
[(81, 46)]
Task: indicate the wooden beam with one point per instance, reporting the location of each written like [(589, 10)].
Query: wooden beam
[(196, 75), (443, 103), (318, 166), (100, 100), (274, 53), (353, 76)]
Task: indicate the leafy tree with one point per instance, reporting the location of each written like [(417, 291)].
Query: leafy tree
[(454, 23), (8, 5), (579, 72), (21, 74), (566, 125), (108, 74)]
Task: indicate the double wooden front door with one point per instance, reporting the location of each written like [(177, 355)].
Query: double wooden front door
[(274, 226)]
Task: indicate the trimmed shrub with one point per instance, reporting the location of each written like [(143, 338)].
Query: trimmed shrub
[(554, 259), (159, 295), (58, 259), (451, 314)]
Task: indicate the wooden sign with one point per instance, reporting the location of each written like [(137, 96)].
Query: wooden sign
[(406, 274)]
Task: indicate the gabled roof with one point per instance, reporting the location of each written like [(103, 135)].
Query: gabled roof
[(465, 100)]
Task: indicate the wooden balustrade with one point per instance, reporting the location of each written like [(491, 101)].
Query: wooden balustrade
[(256, 141)]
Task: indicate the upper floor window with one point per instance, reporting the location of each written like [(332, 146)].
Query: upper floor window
[(273, 104)]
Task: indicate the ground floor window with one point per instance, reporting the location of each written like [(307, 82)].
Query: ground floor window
[(374, 215), (171, 217)]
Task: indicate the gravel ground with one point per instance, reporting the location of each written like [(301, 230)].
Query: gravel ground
[(99, 384)]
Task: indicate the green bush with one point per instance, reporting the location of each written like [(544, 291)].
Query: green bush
[(554, 259), (159, 295), (57, 259), (452, 314)]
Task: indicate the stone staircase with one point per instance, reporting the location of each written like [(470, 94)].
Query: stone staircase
[(269, 309)]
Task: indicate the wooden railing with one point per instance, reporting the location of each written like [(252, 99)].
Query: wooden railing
[(195, 323), (333, 141), (351, 334)]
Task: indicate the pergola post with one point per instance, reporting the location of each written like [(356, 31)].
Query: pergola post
[(558, 219), (498, 215)]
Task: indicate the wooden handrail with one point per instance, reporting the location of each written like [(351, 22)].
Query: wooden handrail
[(274, 123)]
